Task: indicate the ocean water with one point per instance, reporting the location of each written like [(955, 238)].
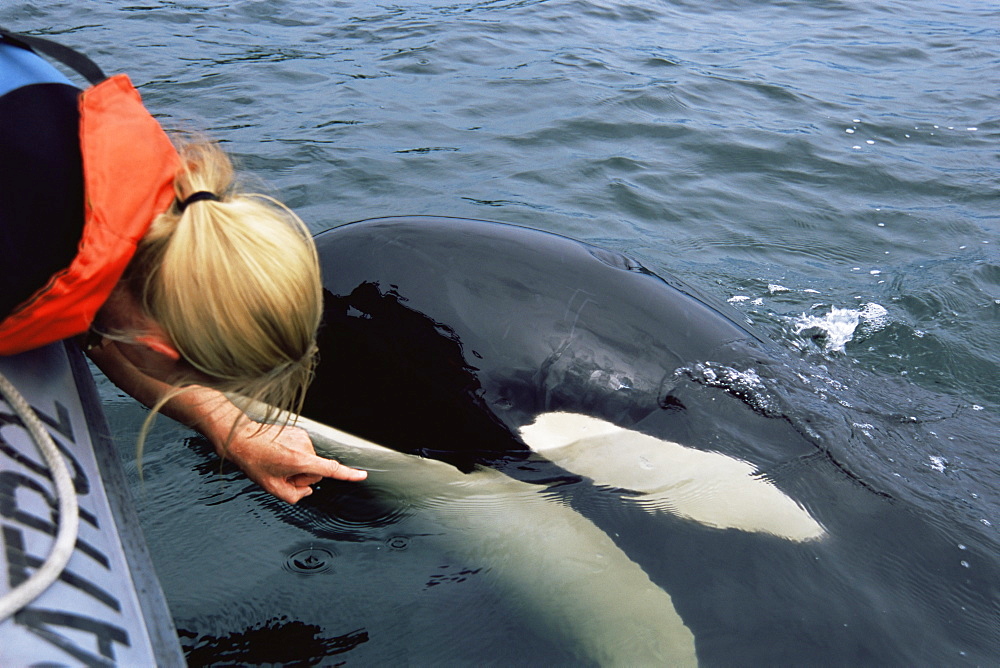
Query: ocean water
[(830, 169)]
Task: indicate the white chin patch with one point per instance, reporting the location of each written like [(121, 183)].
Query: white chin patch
[(707, 487)]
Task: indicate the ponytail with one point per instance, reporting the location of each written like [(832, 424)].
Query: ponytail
[(233, 278)]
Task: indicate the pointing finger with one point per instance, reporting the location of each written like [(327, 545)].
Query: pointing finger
[(338, 471)]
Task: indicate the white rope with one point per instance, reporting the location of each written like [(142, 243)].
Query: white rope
[(69, 512)]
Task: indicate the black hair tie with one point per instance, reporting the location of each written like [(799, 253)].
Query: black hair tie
[(197, 197)]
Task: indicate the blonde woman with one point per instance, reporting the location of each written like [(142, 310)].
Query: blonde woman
[(188, 287)]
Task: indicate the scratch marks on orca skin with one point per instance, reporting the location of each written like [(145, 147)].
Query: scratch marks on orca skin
[(576, 311)]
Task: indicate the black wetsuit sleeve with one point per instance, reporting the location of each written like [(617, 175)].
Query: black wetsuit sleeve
[(41, 189)]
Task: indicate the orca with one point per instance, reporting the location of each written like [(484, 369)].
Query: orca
[(488, 344), (463, 360), (637, 475)]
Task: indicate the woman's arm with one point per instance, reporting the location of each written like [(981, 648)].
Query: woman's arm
[(281, 460)]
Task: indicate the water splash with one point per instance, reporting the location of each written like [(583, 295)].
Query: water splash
[(747, 385), (938, 463), (838, 327)]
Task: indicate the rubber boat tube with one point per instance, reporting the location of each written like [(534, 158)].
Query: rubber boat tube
[(107, 607)]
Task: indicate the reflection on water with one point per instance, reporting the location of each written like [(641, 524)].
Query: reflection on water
[(842, 151)]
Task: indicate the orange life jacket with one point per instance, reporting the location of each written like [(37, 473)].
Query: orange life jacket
[(129, 165)]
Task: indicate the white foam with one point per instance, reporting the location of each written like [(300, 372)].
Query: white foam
[(875, 316), (744, 384), (838, 326)]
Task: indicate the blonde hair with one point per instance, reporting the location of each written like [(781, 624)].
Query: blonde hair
[(234, 283)]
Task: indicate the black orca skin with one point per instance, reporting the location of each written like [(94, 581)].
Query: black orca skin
[(442, 336)]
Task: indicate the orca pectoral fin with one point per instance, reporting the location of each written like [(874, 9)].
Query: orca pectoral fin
[(565, 574), (707, 487), (556, 566)]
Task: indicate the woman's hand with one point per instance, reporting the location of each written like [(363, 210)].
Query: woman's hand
[(282, 460)]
